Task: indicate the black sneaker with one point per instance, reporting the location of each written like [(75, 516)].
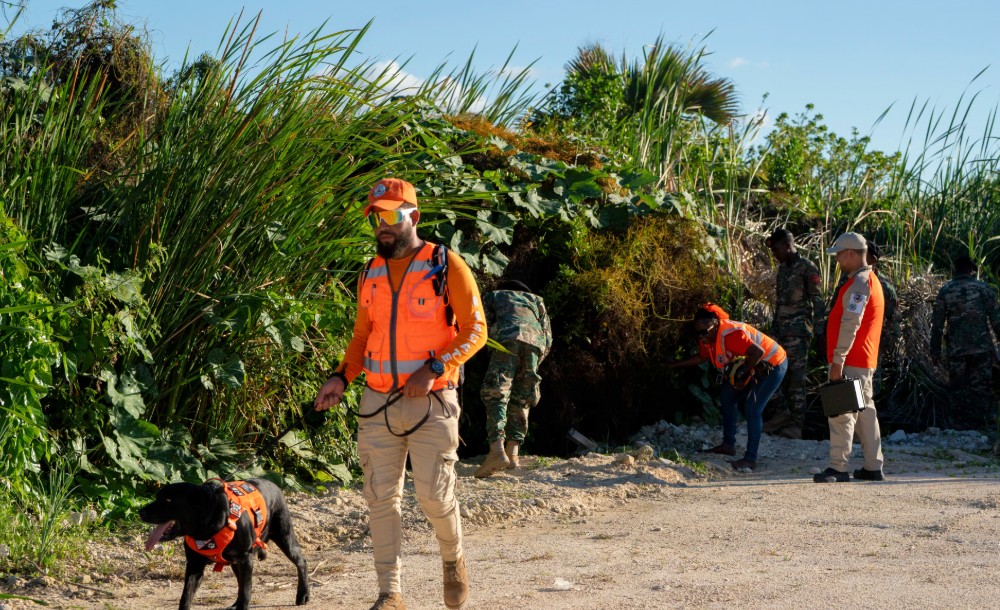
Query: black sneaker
[(868, 475), (831, 476)]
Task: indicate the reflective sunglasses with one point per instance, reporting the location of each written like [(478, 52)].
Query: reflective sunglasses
[(389, 217)]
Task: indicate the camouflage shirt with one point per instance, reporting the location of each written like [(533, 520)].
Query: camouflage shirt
[(512, 315), (799, 302), (964, 310), (890, 324)]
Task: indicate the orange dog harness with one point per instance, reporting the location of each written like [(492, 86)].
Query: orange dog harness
[(242, 497)]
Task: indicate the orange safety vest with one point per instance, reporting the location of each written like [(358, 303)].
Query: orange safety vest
[(774, 354), (864, 351), (242, 497), (409, 326)]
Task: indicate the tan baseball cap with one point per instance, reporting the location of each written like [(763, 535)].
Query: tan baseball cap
[(848, 241), (389, 194)]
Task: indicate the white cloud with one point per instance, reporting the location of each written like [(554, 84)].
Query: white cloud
[(395, 80), (738, 62)]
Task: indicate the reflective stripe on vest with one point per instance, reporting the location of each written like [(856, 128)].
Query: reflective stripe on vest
[(242, 497), (408, 326), (773, 353)]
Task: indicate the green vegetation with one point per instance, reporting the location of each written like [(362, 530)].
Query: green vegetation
[(178, 252)]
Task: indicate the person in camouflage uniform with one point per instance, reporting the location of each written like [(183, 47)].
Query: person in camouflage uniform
[(889, 340), (516, 319), (798, 307), (964, 311)]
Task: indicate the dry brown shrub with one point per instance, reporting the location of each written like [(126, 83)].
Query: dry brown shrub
[(549, 145), (655, 276)]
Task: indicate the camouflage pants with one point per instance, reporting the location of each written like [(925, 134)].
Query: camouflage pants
[(793, 390), (511, 387), (973, 405)]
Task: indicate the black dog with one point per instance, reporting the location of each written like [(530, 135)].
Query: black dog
[(200, 512)]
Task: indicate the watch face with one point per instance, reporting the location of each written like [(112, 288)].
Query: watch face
[(437, 367)]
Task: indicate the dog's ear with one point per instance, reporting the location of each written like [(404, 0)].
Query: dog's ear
[(217, 505)]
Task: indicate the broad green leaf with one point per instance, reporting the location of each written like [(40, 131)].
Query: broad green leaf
[(227, 368), (536, 168), (499, 231), (580, 184), (125, 392), (494, 262), (635, 180)]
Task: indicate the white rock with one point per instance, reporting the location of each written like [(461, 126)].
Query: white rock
[(4, 550), (897, 436), (644, 453), (625, 459), (561, 584), (815, 470)]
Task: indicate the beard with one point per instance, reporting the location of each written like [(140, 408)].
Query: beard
[(391, 249)]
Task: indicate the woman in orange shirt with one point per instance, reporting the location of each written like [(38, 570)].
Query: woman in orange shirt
[(759, 367)]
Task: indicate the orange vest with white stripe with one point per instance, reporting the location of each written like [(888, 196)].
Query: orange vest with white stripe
[(774, 354), (409, 326), (243, 497)]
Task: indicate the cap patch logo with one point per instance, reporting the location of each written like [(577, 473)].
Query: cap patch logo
[(380, 190)]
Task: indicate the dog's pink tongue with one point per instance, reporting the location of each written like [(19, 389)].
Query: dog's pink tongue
[(156, 533)]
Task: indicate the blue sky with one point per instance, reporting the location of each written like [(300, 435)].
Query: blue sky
[(851, 59)]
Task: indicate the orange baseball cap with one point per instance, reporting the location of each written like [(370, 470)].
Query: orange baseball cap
[(390, 193)]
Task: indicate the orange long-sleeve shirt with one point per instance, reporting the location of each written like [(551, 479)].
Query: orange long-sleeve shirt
[(465, 302)]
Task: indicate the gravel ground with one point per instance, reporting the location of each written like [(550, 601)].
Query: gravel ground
[(627, 530)]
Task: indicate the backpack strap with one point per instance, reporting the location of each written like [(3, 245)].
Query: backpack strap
[(439, 260), (365, 270)]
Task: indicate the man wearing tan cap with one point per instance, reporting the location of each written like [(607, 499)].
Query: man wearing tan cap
[(852, 339), (419, 318)]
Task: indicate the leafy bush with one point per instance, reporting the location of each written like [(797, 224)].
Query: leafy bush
[(29, 351)]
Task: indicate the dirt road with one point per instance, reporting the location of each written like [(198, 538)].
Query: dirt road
[(599, 532)]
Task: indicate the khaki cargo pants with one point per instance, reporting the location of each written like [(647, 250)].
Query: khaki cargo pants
[(433, 454), (842, 428)]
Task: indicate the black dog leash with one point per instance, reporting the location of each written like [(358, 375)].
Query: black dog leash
[(311, 418), (394, 397)]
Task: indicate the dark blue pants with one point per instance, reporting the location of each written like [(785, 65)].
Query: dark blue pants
[(753, 398)]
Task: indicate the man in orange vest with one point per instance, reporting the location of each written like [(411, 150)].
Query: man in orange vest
[(419, 319), (852, 339)]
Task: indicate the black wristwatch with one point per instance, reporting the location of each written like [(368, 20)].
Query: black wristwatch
[(436, 366)]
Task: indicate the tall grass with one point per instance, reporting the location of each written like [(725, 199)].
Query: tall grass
[(947, 186), (238, 200), (665, 92)]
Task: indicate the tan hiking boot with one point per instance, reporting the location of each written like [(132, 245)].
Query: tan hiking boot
[(456, 583), (496, 460), (510, 448), (389, 601)]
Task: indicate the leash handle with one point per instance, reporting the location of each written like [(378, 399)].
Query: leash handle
[(395, 397)]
